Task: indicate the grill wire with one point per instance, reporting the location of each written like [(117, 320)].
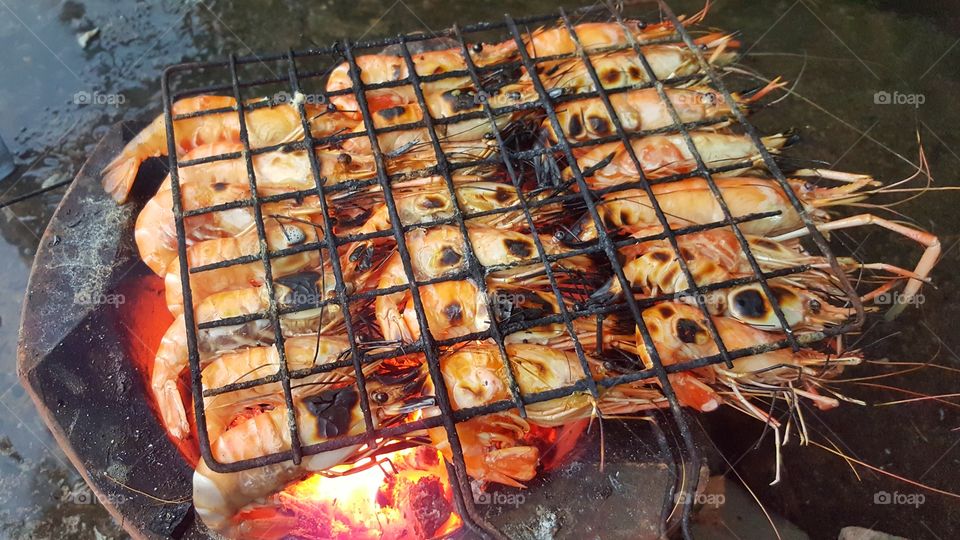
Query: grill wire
[(605, 245)]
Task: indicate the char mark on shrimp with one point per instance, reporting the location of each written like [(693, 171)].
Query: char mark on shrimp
[(333, 410)]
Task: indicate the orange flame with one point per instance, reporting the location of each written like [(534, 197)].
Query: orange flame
[(405, 494)]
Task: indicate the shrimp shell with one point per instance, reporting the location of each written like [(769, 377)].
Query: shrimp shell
[(619, 69), (665, 155), (691, 202), (266, 126), (253, 363), (475, 375), (638, 110), (679, 334), (382, 68), (280, 235), (301, 290)]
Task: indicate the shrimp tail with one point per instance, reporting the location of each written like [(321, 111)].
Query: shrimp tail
[(118, 177), (171, 409), (723, 48), (776, 142)]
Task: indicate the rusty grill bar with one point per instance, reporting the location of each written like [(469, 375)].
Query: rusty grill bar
[(605, 246)]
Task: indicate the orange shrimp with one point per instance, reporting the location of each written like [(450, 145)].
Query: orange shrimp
[(266, 126), (298, 291), (475, 375), (155, 230), (281, 234), (620, 69), (643, 110), (679, 334), (714, 256), (598, 35), (493, 449), (456, 308), (803, 309), (302, 352), (382, 68), (465, 137), (426, 200), (433, 253), (691, 202), (245, 365), (321, 416), (274, 171), (665, 155)]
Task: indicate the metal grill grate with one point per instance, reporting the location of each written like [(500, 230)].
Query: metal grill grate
[(605, 246)]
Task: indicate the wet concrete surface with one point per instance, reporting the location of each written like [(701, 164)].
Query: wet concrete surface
[(58, 96)]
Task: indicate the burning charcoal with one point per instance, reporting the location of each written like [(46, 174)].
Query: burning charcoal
[(431, 509)]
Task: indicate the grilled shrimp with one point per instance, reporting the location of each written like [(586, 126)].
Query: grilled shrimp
[(802, 309), (665, 155), (464, 138), (298, 291), (620, 69), (690, 202), (245, 365), (321, 416), (714, 256), (476, 375), (493, 448), (274, 171), (266, 126), (598, 35), (426, 200), (155, 231), (518, 304), (382, 68), (493, 444), (434, 252), (643, 110), (302, 352), (457, 308), (281, 234), (680, 334)]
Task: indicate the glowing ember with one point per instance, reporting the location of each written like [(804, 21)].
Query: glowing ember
[(405, 494)]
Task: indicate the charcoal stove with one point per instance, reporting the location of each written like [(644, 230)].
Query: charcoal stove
[(74, 365)]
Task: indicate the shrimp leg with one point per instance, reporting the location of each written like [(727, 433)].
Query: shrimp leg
[(922, 271)]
